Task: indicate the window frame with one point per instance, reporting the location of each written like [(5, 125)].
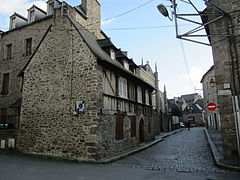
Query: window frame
[(51, 8), (122, 88), (9, 48), (31, 15), (5, 84), (112, 54), (28, 46), (139, 94)]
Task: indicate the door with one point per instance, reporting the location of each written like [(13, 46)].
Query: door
[(141, 131), (3, 116)]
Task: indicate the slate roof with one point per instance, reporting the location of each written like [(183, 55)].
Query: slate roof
[(103, 58), (19, 15), (195, 108)]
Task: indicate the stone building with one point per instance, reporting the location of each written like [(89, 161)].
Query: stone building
[(159, 98), (67, 91), (210, 95), (194, 114), (226, 55)]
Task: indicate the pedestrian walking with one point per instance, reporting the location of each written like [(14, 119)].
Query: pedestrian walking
[(188, 126)]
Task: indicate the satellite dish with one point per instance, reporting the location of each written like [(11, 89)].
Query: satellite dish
[(163, 10)]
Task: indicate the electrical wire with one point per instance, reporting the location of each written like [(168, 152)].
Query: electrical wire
[(122, 14), (186, 64), (129, 11)]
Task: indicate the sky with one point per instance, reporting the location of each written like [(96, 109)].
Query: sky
[(138, 27)]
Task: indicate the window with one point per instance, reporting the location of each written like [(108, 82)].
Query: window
[(13, 23), (122, 88), (126, 65), (133, 126), (50, 8), (31, 16), (119, 127), (28, 46), (147, 97), (139, 94), (9, 51), (5, 84), (112, 54)]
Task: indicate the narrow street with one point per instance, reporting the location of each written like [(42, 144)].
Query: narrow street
[(186, 151), (182, 156)]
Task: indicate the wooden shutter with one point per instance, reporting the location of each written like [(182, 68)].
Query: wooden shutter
[(119, 127), (133, 126)]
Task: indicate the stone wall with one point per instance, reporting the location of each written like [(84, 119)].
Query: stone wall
[(13, 66), (106, 130), (226, 61), (62, 71)]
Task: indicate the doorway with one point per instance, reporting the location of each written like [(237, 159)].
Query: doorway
[(141, 131)]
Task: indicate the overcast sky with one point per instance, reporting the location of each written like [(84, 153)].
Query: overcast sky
[(145, 34)]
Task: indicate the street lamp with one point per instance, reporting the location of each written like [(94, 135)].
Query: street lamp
[(195, 33), (163, 10), (212, 83)]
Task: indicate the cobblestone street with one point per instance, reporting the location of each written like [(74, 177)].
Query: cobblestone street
[(186, 151)]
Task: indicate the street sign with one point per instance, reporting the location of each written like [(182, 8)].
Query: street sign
[(211, 106)]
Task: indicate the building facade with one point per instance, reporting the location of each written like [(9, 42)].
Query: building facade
[(226, 59), (210, 96), (159, 98), (77, 96)]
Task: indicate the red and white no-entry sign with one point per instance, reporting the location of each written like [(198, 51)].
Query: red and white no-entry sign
[(211, 106)]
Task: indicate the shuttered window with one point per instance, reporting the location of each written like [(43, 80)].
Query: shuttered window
[(119, 127), (133, 126)]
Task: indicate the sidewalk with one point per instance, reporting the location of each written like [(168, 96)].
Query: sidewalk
[(215, 142), (137, 149)]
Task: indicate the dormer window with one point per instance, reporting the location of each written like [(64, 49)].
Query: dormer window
[(31, 16), (50, 8), (13, 23), (112, 54), (17, 20), (126, 65)]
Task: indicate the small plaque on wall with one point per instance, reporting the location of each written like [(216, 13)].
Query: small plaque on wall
[(80, 106)]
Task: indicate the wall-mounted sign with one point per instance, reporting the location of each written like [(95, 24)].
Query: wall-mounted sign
[(226, 86), (80, 106), (224, 92), (211, 106)]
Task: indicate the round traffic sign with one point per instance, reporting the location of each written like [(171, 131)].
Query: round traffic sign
[(211, 106)]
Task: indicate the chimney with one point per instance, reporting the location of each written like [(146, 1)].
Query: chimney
[(125, 53)]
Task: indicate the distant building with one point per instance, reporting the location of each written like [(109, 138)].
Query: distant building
[(210, 95), (191, 98), (194, 114), (159, 98)]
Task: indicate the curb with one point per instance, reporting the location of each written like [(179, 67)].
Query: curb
[(135, 150), (108, 160), (217, 157)]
